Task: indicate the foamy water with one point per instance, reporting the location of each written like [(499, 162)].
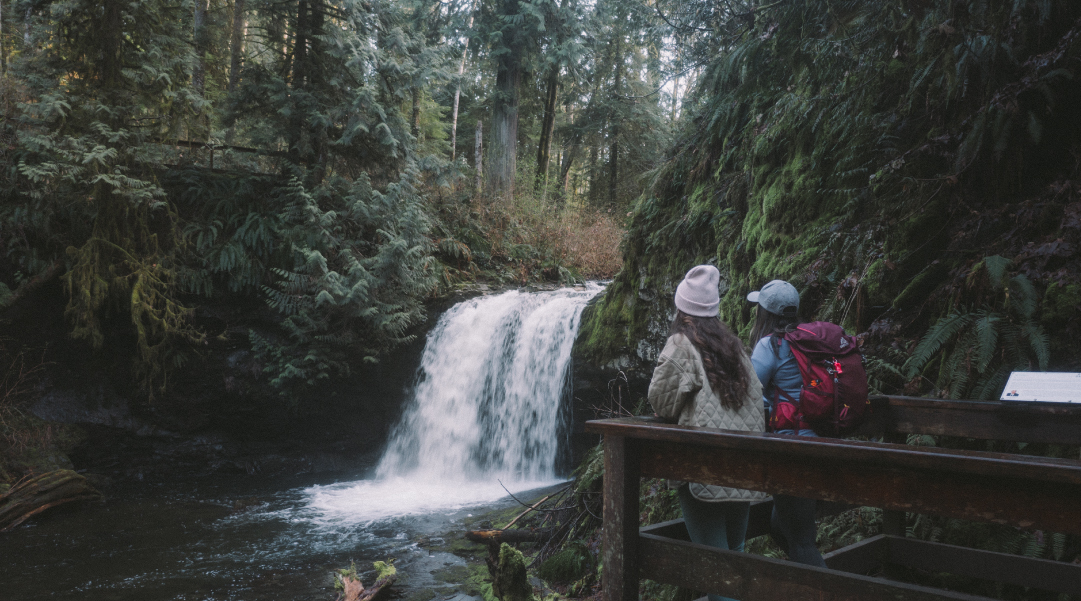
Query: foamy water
[(374, 501), (488, 412)]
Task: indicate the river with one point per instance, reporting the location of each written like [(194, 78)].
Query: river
[(489, 414)]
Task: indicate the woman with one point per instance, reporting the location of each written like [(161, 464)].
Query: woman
[(704, 378), (793, 520)]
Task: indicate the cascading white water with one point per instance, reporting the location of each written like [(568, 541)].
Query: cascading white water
[(487, 402), (486, 409)]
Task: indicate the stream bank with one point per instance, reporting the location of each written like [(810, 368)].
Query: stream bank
[(204, 495)]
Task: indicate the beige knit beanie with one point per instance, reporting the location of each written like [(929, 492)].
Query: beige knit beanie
[(698, 294)]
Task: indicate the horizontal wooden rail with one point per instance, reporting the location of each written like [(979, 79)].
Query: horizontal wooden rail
[(874, 553), (986, 420), (1026, 492), (1021, 491), (881, 550), (751, 577)]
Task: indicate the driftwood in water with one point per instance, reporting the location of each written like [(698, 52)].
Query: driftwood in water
[(524, 535), (354, 590), (33, 495)]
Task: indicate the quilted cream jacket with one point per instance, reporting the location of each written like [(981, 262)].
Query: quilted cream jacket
[(680, 391)]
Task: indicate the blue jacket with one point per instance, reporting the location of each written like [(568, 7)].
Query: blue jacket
[(775, 371), (780, 370)]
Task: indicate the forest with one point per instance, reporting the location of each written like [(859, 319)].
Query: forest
[(228, 213), (164, 157)]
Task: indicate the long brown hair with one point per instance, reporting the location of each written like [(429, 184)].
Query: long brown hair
[(722, 354), (773, 325)]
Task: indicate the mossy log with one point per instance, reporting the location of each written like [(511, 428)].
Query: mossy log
[(353, 588), (33, 495), (523, 535)]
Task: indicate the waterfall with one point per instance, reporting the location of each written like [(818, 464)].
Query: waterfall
[(487, 408), (489, 390)]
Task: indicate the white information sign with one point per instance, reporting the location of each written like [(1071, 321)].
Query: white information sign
[(1051, 387)]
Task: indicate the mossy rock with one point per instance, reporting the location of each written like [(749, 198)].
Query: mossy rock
[(479, 584), (452, 574), (384, 570), (510, 582)]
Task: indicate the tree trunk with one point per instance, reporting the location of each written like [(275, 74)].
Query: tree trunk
[(236, 44), (458, 91), (236, 53), (504, 139), (544, 145), (297, 138), (675, 86), (524, 535), (478, 158), (300, 45), (31, 496), (198, 76), (502, 159), (315, 78), (414, 122), (594, 188), (613, 151), (568, 161)]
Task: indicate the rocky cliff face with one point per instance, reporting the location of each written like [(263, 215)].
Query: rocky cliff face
[(882, 182)]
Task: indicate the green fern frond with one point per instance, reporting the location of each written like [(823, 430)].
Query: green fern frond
[(987, 339), (996, 267), (1022, 296), (940, 334), (1039, 342), (1058, 546), (1034, 545)]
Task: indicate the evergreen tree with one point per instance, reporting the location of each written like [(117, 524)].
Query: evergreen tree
[(110, 79)]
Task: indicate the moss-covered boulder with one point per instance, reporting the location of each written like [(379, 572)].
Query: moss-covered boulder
[(510, 582)]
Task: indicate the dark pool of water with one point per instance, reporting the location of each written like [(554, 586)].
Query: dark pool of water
[(220, 538)]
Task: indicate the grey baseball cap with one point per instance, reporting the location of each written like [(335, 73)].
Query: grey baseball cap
[(778, 297)]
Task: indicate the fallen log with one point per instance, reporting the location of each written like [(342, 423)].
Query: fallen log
[(353, 589), (33, 495), (522, 535)]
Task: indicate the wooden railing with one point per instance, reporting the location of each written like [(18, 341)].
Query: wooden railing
[(1023, 491)]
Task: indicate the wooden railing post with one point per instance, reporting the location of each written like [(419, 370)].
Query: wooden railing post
[(621, 484), (893, 520)]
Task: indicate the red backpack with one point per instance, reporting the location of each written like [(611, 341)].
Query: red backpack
[(833, 399)]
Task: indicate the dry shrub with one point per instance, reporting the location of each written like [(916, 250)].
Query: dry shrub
[(589, 242), (584, 240)]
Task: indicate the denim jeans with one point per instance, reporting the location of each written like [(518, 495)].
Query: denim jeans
[(722, 524), (792, 524)]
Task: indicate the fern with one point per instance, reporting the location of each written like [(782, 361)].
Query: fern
[(979, 349), (938, 336)]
